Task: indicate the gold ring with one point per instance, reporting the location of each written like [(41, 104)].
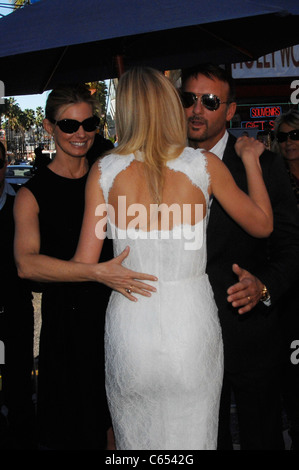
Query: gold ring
[(128, 290)]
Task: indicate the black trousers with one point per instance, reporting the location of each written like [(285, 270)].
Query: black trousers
[(17, 331), (289, 323), (258, 403)]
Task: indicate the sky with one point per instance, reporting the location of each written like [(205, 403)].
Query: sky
[(32, 101), (27, 101)]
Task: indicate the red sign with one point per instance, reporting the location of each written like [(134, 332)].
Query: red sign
[(262, 125), (265, 111)]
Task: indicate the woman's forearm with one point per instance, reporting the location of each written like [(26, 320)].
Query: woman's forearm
[(42, 268)]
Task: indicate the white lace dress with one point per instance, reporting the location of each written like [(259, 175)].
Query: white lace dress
[(164, 354)]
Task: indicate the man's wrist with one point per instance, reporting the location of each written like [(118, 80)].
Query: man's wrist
[(265, 295)]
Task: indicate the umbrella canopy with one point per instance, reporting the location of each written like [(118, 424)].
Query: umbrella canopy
[(54, 41)]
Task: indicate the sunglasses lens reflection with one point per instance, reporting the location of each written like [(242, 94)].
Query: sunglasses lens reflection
[(69, 126), (188, 99), (283, 136), (209, 101)]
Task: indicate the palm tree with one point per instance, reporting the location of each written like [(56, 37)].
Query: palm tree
[(100, 89), (27, 119), (11, 111), (26, 122), (39, 117)]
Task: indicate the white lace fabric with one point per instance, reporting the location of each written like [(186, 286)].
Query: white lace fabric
[(164, 356)]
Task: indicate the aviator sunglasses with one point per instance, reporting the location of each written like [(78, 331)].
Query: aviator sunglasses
[(69, 126), (208, 100), (283, 136)]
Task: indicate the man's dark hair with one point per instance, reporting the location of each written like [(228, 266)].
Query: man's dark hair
[(210, 71)]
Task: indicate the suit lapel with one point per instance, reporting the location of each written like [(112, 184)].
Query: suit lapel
[(217, 215)]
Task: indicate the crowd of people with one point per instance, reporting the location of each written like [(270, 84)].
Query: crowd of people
[(144, 341)]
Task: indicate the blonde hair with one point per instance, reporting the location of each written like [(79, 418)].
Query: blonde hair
[(291, 118), (150, 119), (67, 95)]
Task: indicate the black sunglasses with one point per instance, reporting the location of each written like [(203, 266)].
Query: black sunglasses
[(2, 163), (283, 136), (69, 126), (208, 100)]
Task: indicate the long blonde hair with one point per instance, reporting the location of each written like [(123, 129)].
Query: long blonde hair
[(150, 119)]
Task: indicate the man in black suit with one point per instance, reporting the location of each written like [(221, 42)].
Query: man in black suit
[(248, 275)]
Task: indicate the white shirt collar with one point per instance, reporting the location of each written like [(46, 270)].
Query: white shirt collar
[(219, 148), (8, 189)]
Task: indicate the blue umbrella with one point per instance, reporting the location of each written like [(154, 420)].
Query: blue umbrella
[(53, 41)]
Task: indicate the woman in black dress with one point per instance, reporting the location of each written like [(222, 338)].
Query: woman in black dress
[(72, 408)]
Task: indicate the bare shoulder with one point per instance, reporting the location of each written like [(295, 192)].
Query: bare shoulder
[(213, 162), (94, 192), (220, 176), (25, 200)]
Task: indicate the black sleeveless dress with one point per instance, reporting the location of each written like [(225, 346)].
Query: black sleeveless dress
[(72, 407)]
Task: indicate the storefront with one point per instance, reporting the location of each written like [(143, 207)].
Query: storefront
[(265, 88)]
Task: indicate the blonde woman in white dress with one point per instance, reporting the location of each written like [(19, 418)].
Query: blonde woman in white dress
[(164, 357)]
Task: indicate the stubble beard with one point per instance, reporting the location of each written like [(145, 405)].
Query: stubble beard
[(197, 137)]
